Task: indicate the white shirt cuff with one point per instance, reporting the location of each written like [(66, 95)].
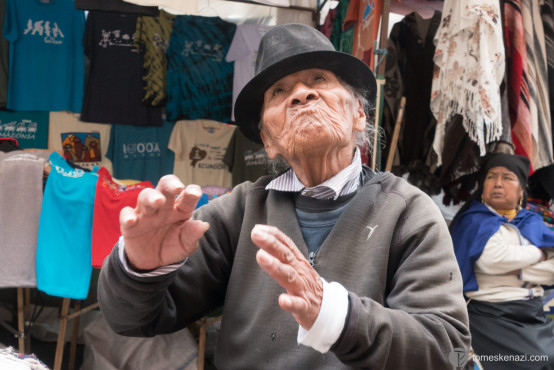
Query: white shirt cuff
[(331, 319), (162, 270)]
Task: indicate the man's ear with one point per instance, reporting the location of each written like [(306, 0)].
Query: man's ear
[(268, 145), (360, 118)]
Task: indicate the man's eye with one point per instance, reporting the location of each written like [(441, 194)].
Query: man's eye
[(276, 91), (319, 78)]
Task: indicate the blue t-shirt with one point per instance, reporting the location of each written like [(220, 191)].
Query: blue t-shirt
[(46, 55), (30, 129), (199, 79), (141, 153), (65, 231)]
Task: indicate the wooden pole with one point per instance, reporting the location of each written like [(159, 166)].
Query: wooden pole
[(394, 141), (58, 359), (20, 320)]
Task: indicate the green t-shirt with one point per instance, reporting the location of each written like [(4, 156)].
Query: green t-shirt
[(246, 159), (152, 39)]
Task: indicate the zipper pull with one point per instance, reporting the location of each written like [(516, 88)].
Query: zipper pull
[(311, 258)]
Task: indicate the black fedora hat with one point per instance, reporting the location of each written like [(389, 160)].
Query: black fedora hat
[(287, 49)]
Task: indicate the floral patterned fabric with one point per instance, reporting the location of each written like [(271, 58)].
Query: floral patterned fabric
[(469, 67)]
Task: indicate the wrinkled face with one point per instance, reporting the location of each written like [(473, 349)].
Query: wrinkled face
[(309, 111), (501, 189)]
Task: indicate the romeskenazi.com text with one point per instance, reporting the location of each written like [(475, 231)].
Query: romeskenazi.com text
[(511, 358)]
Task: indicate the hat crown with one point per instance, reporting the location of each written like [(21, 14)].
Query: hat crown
[(282, 42)]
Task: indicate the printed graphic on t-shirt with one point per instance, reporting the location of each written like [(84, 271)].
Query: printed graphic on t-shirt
[(117, 38), (258, 158), (205, 49), (206, 156), (159, 41), (141, 150), (24, 129), (81, 147), (196, 154), (50, 30)]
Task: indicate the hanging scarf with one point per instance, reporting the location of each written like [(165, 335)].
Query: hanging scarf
[(475, 227), (469, 67), (539, 105)]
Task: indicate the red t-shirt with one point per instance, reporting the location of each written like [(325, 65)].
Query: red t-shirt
[(110, 199)]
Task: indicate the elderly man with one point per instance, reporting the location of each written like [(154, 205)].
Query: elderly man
[(327, 265)]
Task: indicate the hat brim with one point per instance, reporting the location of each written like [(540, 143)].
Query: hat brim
[(250, 100)]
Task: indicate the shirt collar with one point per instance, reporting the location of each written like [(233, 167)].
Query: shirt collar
[(343, 183)]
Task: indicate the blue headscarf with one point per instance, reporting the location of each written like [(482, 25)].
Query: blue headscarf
[(478, 223)]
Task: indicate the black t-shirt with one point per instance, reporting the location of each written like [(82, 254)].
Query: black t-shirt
[(113, 90), (116, 6)]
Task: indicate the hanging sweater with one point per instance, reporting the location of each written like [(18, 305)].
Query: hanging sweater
[(390, 248)]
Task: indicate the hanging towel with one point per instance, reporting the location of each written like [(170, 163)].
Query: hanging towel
[(469, 67)]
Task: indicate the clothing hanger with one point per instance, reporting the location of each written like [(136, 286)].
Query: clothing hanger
[(76, 166), (208, 11), (8, 144)]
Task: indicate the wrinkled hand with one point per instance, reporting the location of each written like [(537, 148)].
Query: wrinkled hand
[(282, 260), (159, 231)]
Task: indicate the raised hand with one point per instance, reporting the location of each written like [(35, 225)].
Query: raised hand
[(281, 259), (159, 230)]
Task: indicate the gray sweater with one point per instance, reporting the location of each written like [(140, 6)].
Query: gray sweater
[(406, 309)]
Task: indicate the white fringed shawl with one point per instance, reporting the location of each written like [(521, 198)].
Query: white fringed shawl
[(469, 67)]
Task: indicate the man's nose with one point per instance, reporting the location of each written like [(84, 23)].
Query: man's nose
[(302, 94)]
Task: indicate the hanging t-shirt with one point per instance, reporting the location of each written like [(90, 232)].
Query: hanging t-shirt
[(141, 153), (110, 199), (4, 65), (83, 143), (65, 231), (46, 55), (20, 203), (243, 51), (199, 148), (246, 159), (116, 6), (364, 15), (29, 128), (170, 6), (114, 86), (199, 79), (152, 39)]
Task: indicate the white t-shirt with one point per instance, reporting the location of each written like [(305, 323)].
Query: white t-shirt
[(199, 148), (84, 143), (243, 51)]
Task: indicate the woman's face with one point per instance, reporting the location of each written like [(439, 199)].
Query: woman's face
[(501, 189)]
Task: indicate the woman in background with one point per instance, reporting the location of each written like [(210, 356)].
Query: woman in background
[(506, 256)]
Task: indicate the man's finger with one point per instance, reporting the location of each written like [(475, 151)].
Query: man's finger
[(192, 231), (186, 201), (283, 273), (170, 186), (127, 218), (149, 201), (292, 304), (275, 242)]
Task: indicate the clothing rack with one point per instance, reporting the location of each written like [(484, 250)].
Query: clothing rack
[(65, 316), (314, 11)]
